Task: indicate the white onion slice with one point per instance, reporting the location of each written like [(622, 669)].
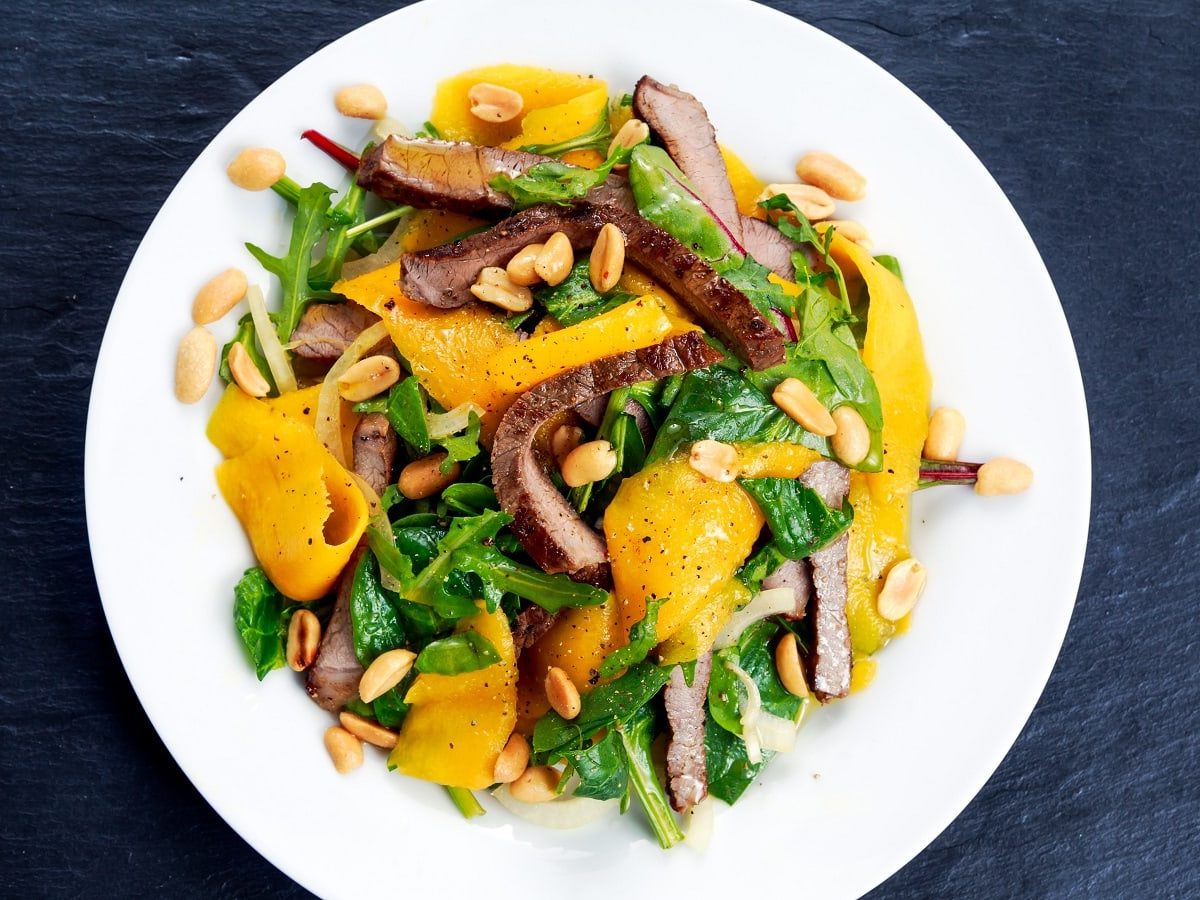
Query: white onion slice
[(329, 406), (445, 424), (698, 824), (565, 812), (387, 126), (775, 732), (763, 605), (389, 251), (276, 356), (750, 713)]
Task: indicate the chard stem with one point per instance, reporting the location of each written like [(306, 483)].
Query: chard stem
[(934, 472), (465, 802), (381, 219)]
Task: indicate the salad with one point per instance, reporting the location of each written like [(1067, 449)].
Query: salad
[(575, 459)]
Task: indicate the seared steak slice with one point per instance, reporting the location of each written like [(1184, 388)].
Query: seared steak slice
[(687, 765), (325, 330), (769, 246), (443, 276), (793, 574), (457, 175), (681, 124), (333, 677), (547, 526), (829, 658), (530, 626), (374, 450)]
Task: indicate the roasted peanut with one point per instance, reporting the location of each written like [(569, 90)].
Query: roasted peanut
[(1002, 476), (607, 259), (946, 429), (715, 460), (245, 373), (520, 268), (424, 477), (493, 103), (901, 589), (834, 176), (387, 671), (562, 693), (361, 101), (367, 731), (304, 637), (565, 439), (512, 761), (812, 202), (495, 287), (787, 664), (796, 399), (537, 784), (588, 462), (344, 749), (218, 296), (554, 263), (368, 377), (195, 364), (852, 440), (629, 135), (849, 229), (256, 168)]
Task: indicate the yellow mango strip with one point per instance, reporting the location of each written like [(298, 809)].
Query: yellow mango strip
[(302, 405), (585, 159), (775, 460), (698, 634), (577, 643), (458, 724), (673, 533), (746, 185), (631, 326), (447, 349), (636, 281), (539, 88), (894, 354), (428, 228), (299, 507), (554, 124)]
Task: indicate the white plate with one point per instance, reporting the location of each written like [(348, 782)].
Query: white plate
[(873, 780)]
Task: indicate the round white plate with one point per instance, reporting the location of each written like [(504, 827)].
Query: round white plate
[(873, 780)]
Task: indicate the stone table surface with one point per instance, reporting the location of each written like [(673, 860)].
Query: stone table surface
[(1088, 115)]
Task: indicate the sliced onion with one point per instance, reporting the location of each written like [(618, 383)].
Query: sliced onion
[(775, 732), (445, 424), (329, 406), (387, 126), (764, 604), (389, 251), (565, 812), (698, 824), (276, 356), (750, 713)]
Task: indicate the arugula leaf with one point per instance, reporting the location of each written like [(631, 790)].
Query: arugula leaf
[(261, 614), (556, 182), (800, 229), (730, 771), (765, 561), (574, 300), (460, 447), (601, 767), (469, 498), (347, 214), (406, 412), (637, 735), (429, 131), (292, 270), (801, 523), (245, 335), (621, 430), (467, 651), (551, 592), (891, 264), (431, 585), (596, 138), (642, 638)]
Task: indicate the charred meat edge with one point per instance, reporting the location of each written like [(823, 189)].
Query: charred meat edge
[(531, 626), (829, 660), (456, 176), (374, 450), (443, 276), (332, 679), (681, 124), (547, 526), (687, 764)]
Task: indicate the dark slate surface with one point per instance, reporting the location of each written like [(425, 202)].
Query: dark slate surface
[(1088, 114)]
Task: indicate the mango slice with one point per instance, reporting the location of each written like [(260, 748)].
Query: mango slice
[(746, 185), (553, 124)]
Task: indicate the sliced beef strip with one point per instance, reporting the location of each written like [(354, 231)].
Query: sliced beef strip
[(456, 176), (829, 658), (681, 124), (374, 450), (333, 677), (687, 765), (793, 574), (769, 246), (548, 527), (443, 276), (325, 330), (530, 626)]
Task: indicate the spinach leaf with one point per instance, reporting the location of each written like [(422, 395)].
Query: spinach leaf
[(730, 771), (261, 614), (469, 498), (766, 560), (467, 651), (602, 708), (389, 708), (574, 300), (801, 523), (596, 138), (373, 618), (797, 227), (601, 768), (642, 638), (431, 585), (891, 264), (406, 411), (620, 429), (637, 735), (753, 653), (556, 182)]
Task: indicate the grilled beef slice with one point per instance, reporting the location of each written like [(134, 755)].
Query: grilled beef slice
[(792, 574), (374, 450), (325, 330), (530, 626), (829, 659), (443, 276), (769, 246), (333, 677), (550, 530), (687, 765)]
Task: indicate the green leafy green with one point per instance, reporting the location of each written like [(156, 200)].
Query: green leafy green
[(432, 586), (620, 429), (406, 412), (467, 651), (348, 214), (891, 264), (765, 560), (642, 638), (429, 131), (730, 771), (551, 592), (601, 767), (752, 653), (389, 708), (556, 182), (460, 447), (801, 523), (596, 138), (373, 617), (245, 335), (797, 227), (261, 614), (637, 735), (469, 498), (574, 300)]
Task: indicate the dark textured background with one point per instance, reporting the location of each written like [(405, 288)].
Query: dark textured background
[(1088, 114)]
